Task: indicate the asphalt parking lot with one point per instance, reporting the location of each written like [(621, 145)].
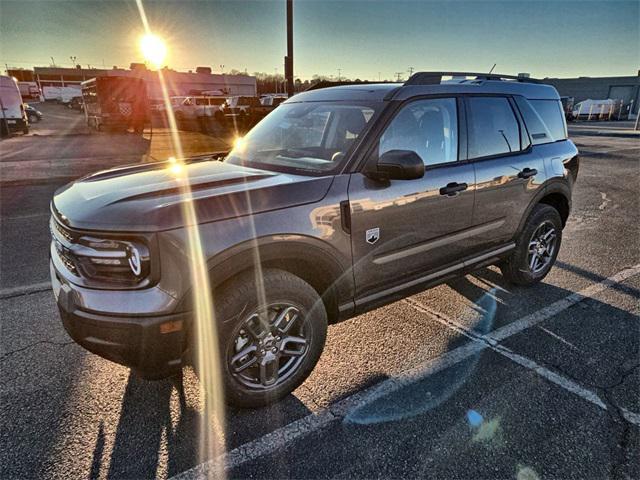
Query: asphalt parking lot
[(472, 379)]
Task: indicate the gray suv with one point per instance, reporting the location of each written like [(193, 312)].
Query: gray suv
[(341, 200)]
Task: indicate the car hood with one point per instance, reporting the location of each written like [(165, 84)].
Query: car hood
[(150, 197)]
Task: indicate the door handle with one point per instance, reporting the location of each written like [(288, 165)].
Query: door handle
[(527, 172), (452, 189)]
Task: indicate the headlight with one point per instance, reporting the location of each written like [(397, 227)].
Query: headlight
[(104, 261), (112, 260)]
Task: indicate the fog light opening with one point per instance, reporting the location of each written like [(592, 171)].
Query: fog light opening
[(171, 327)]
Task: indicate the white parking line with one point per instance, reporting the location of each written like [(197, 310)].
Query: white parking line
[(492, 339), (315, 421)]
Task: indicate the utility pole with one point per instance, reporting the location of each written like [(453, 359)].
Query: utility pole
[(275, 78), (411, 71), (73, 59), (288, 60), (398, 76), (339, 72)]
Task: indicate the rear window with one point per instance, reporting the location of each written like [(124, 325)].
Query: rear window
[(544, 120)]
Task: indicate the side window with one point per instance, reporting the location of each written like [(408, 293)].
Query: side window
[(535, 124), (427, 127), (493, 128), (202, 101), (551, 113)]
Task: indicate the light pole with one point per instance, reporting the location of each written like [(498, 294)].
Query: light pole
[(288, 60)]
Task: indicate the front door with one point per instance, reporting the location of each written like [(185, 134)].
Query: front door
[(402, 229)]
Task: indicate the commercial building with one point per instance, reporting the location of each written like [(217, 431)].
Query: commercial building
[(625, 89), (178, 83)]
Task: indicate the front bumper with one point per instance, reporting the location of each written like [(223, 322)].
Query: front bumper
[(133, 341)]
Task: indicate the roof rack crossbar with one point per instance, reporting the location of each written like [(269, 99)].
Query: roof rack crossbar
[(434, 78)]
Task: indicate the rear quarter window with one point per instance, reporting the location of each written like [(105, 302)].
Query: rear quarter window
[(544, 119)]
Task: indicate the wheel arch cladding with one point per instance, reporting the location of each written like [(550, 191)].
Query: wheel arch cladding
[(327, 274), (560, 202)]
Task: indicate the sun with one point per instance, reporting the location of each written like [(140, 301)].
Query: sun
[(153, 49)]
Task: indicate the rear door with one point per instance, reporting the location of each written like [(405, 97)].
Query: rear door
[(509, 172), (401, 229)]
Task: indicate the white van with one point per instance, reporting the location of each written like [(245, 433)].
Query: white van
[(198, 106), (13, 118)]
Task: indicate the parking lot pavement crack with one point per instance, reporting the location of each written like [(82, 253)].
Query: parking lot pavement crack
[(35, 344), (13, 292), (621, 453)]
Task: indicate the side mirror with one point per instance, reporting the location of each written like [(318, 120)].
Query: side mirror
[(400, 165)]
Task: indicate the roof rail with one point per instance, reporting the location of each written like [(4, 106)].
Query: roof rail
[(328, 83), (435, 78)]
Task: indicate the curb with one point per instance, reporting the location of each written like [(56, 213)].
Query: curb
[(603, 133)]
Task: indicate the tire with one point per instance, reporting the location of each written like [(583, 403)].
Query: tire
[(518, 268), (303, 317), (33, 119)]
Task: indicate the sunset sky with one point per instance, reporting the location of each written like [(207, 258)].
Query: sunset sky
[(364, 39)]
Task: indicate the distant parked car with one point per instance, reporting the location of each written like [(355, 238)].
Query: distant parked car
[(268, 103), (195, 107), (241, 105), (33, 115), (273, 100), (76, 103)]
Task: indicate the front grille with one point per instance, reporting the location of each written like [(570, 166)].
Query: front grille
[(63, 231), (100, 261), (68, 262)]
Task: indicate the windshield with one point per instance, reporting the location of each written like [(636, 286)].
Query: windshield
[(312, 137)]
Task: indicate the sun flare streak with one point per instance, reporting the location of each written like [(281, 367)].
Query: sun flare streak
[(204, 333)]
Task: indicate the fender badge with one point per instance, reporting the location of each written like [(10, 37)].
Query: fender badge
[(372, 235)]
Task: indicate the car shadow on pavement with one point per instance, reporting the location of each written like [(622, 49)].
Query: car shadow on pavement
[(158, 432), (150, 412)]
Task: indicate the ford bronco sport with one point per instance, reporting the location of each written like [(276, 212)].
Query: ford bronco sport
[(340, 200)]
